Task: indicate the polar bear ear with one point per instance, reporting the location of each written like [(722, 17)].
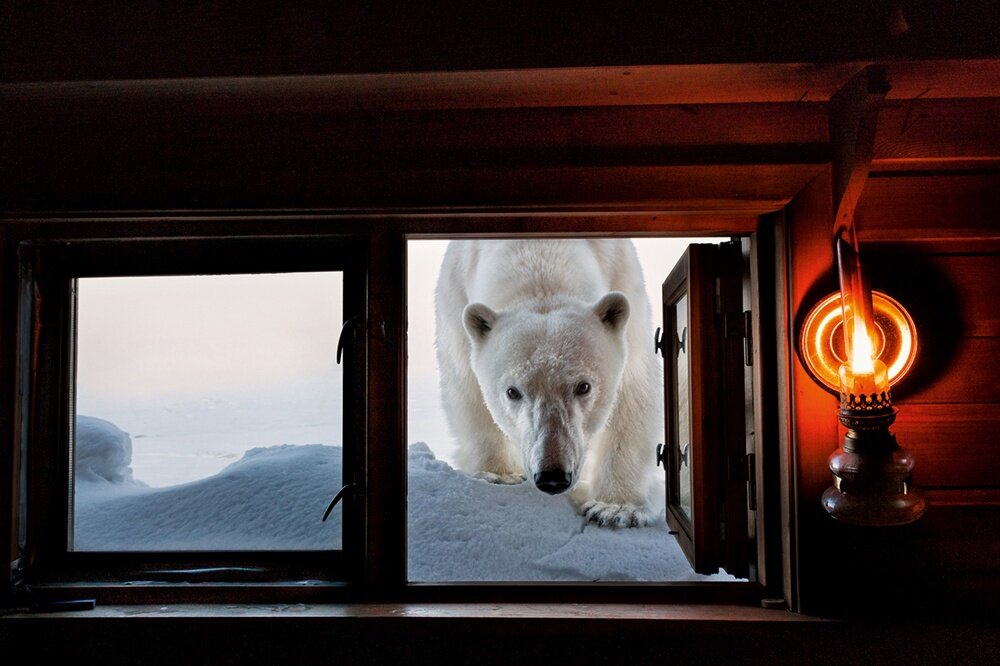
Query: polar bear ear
[(479, 320), (613, 310)]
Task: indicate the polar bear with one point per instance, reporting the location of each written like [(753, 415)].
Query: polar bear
[(548, 370)]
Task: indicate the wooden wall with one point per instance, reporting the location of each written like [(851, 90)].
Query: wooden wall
[(931, 240)]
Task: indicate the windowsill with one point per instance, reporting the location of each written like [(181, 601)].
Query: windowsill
[(490, 633), (463, 611)]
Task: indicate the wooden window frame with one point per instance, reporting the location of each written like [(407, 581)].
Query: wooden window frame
[(48, 270), (379, 573)]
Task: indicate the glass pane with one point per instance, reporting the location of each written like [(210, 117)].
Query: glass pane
[(208, 413), (683, 445)]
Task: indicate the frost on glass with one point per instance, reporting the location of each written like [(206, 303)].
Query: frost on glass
[(208, 413)]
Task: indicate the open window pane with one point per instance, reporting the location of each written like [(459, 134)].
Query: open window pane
[(709, 407), (208, 413)]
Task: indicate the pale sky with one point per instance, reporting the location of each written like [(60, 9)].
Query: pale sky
[(139, 337)]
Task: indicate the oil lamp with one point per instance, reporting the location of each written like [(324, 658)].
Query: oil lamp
[(871, 472)]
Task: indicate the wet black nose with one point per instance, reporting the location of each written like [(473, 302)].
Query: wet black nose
[(553, 481)]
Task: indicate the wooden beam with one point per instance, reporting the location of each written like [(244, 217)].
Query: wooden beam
[(853, 118)]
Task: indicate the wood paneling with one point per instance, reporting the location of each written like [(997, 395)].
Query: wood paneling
[(924, 130), (971, 376), (976, 281), (930, 207), (936, 251), (157, 38), (120, 141), (193, 144), (564, 87), (954, 445), (751, 189)]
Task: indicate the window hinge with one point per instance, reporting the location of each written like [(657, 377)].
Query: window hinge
[(740, 325), (743, 468), (739, 467)]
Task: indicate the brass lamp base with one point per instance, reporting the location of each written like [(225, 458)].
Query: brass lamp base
[(871, 474)]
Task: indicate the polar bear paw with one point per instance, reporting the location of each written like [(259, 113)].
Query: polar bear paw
[(507, 479), (616, 516)]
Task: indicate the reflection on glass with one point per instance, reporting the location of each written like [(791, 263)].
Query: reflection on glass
[(208, 413), (683, 445)]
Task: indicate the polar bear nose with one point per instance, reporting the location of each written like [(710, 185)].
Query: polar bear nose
[(553, 481)]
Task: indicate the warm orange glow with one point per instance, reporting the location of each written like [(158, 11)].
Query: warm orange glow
[(873, 382), (863, 355), (893, 336)]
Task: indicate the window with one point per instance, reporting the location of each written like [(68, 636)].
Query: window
[(59, 265), (710, 451), (462, 528), (237, 366), (208, 412)]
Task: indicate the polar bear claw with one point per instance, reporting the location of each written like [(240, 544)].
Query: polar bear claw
[(616, 515)]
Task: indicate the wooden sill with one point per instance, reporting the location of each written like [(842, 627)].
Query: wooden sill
[(473, 611), (488, 634)]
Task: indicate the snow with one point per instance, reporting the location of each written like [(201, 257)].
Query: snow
[(466, 529), (273, 498), (103, 452)]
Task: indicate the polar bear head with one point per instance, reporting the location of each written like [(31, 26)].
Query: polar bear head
[(550, 377)]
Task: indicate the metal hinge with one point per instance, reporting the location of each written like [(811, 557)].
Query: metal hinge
[(743, 468), (740, 325)]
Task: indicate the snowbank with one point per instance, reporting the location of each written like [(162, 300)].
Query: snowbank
[(271, 499), (466, 529), (460, 528), (103, 452)]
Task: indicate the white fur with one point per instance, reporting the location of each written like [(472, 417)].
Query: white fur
[(543, 317)]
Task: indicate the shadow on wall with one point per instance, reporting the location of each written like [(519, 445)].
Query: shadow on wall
[(934, 303)]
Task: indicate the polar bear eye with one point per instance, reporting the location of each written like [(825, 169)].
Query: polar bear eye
[(583, 388), (513, 393)]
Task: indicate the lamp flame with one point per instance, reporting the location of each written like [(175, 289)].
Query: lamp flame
[(862, 352)]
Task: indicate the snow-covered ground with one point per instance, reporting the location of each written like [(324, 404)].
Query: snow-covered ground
[(460, 528)]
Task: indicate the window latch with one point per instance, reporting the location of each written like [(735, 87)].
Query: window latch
[(680, 342), (350, 487), (350, 325)]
